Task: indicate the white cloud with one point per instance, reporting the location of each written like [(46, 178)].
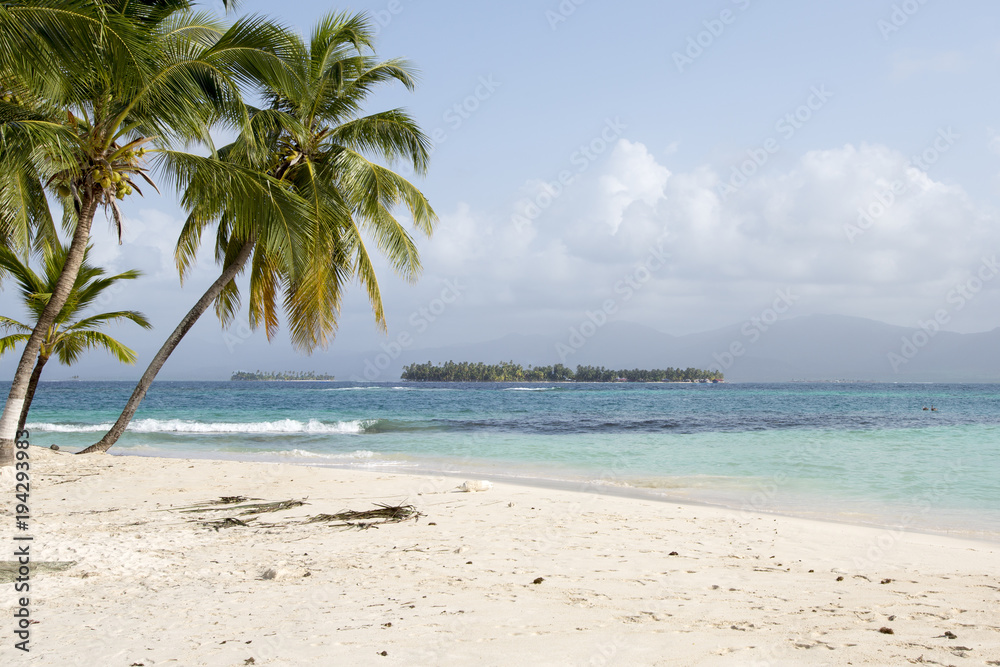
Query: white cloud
[(631, 176), (793, 228)]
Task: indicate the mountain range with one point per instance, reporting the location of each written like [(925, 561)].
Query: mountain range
[(813, 347)]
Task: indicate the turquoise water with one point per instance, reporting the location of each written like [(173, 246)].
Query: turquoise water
[(866, 453)]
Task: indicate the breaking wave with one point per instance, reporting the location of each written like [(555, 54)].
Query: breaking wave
[(313, 426), (530, 389)]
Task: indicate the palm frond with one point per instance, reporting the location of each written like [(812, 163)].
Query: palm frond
[(10, 342), (107, 318), (72, 346)]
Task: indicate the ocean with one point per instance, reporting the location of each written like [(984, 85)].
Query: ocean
[(861, 453)]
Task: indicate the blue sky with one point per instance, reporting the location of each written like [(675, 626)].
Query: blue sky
[(579, 139)]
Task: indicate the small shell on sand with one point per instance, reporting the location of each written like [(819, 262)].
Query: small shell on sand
[(475, 485)]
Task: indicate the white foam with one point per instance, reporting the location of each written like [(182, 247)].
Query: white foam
[(313, 426), (67, 428), (361, 454), (530, 389), (353, 389)]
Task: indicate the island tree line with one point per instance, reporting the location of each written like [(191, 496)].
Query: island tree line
[(508, 371)]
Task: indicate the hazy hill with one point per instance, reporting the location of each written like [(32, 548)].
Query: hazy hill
[(816, 347)]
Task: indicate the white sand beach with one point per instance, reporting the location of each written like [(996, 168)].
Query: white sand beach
[(150, 585)]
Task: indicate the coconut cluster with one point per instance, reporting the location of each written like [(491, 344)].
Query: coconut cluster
[(113, 176)]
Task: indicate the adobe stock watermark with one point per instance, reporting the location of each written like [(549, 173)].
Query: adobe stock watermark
[(994, 141), (625, 288), (383, 17), (236, 336), (787, 127), (562, 12), (109, 295), (899, 17), (884, 200), (556, 531), (715, 27), (420, 321), (765, 497), (463, 110), (958, 298), (581, 159), (754, 328), (888, 540)]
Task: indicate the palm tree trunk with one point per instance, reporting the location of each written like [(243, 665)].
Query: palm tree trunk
[(32, 385), (19, 387), (111, 437)]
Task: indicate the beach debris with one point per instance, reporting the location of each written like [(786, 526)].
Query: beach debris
[(210, 505), (228, 522), (54, 448), (471, 485), (886, 581), (252, 508), (10, 570), (383, 514), (357, 519), (886, 631), (261, 508), (249, 661), (538, 580), (231, 504), (840, 578), (673, 553)]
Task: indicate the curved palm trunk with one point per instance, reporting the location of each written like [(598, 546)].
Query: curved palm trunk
[(32, 385), (111, 437), (19, 387)]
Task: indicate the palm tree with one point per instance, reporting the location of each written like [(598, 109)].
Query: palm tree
[(70, 335), (313, 139), (86, 88)]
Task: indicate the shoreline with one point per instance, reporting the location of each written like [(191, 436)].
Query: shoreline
[(621, 580), (711, 498)]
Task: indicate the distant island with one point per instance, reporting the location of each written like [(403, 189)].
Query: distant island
[(508, 371), (281, 376)]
